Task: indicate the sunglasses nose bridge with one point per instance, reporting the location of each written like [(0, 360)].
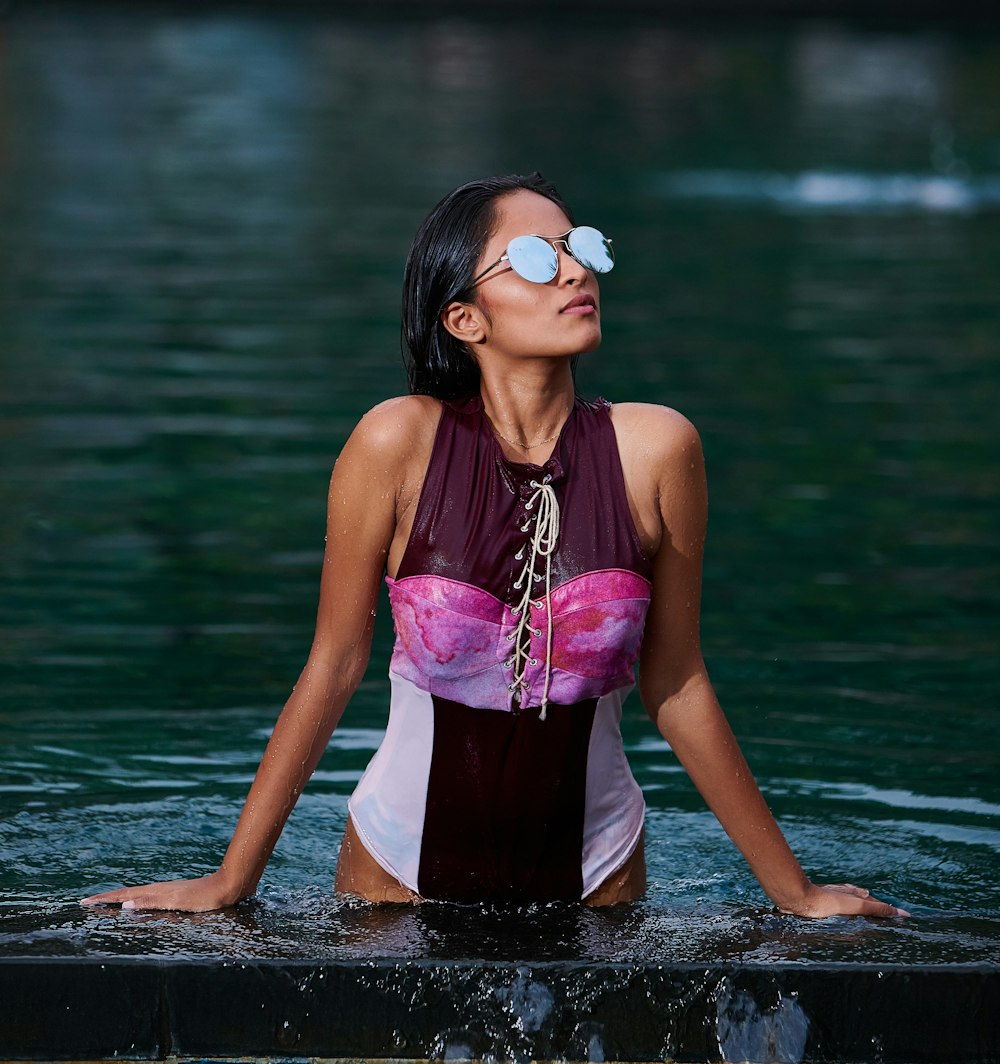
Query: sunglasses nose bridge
[(564, 256)]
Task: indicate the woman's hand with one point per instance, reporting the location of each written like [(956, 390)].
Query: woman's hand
[(213, 891), (841, 899)]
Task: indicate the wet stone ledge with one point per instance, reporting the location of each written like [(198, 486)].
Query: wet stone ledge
[(145, 1008)]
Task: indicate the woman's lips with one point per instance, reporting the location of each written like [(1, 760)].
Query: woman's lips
[(580, 305)]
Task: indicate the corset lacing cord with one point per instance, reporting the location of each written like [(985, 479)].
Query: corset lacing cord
[(543, 543)]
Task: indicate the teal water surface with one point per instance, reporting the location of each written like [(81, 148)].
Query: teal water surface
[(203, 220)]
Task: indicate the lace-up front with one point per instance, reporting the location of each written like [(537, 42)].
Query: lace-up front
[(543, 507)]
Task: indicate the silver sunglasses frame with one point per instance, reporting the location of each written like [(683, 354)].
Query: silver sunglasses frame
[(552, 241)]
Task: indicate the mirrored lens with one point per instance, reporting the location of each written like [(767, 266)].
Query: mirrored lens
[(533, 258), (591, 248)]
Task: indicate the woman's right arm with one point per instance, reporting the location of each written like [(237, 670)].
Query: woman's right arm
[(370, 484)]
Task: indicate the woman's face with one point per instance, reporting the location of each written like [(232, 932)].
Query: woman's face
[(524, 319)]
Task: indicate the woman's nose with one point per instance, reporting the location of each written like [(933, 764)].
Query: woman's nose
[(569, 269)]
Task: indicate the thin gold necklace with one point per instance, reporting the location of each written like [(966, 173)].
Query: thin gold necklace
[(518, 443)]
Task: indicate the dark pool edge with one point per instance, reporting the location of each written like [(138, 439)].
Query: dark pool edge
[(155, 1008)]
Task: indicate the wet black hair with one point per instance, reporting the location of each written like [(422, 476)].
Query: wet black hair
[(439, 270)]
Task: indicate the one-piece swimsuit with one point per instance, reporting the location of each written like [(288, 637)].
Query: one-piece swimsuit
[(519, 606)]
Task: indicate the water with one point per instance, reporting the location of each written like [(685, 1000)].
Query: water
[(203, 219)]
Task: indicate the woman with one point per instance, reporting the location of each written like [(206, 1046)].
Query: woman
[(535, 546)]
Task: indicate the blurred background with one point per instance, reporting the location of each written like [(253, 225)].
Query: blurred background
[(204, 213)]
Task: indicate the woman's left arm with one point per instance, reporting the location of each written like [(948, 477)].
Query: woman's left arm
[(678, 694)]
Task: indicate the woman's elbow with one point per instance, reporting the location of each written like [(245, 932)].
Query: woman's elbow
[(337, 670), (654, 695), (666, 695)]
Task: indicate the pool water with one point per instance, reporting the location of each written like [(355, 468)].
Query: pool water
[(203, 219)]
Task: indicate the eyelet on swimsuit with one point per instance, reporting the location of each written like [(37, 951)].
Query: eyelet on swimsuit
[(511, 636), (512, 687), (532, 483), (545, 525), (520, 555), (509, 663)]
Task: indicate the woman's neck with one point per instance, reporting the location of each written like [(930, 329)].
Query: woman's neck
[(528, 409)]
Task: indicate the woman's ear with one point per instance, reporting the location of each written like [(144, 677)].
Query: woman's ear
[(464, 322)]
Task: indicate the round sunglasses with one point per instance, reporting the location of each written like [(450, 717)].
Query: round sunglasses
[(535, 258)]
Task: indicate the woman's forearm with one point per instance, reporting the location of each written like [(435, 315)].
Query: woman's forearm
[(699, 734), (300, 736)]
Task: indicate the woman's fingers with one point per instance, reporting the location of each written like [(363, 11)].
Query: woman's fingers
[(131, 898), (869, 906), (181, 895), (845, 899), (108, 897), (874, 907), (848, 888)]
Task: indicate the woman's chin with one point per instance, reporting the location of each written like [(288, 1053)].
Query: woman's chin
[(592, 344)]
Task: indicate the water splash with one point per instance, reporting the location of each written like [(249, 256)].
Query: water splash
[(748, 1032)]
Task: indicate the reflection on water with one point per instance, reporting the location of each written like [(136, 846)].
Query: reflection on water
[(203, 219)]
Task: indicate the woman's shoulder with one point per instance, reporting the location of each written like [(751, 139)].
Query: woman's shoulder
[(656, 431), (402, 412), (663, 467), (391, 443), (397, 425)]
